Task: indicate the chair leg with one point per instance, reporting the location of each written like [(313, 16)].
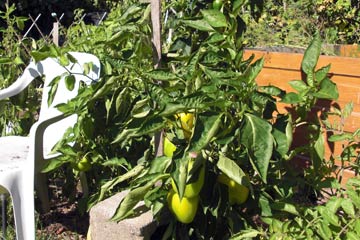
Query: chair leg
[(3, 214), (22, 195), (42, 191)]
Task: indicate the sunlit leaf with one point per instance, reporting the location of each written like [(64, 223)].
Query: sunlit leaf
[(298, 85), (328, 90), (246, 234), (232, 170), (285, 207), (201, 25), (311, 55), (322, 73), (129, 202), (214, 18), (348, 207), (257, 138), (70, 82), (206, 128), (292, 98), (340, 137)]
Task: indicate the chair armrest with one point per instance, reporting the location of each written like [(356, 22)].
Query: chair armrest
[(30, 73), (37, 138)]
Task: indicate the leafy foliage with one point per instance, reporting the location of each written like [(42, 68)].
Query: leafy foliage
[(292, 23), (18, 114), (237, 128), (237, 131)]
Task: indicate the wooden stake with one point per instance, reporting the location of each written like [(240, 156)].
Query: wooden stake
[(156, 26), (55, 33), (156, 40)]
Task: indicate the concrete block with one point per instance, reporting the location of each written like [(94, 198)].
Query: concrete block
[(139, 227)]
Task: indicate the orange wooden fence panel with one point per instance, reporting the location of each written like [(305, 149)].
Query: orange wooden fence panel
[(280, 68)]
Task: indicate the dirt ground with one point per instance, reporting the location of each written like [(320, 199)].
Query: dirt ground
[(64, 221)]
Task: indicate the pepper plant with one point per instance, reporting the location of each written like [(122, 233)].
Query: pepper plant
[(234, 153)]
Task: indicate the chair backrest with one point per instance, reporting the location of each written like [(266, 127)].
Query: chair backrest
[(51, 68)]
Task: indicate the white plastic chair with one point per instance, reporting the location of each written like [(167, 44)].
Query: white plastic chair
[(20, 157)]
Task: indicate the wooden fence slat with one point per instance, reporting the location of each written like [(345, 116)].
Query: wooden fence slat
[(292, 61), (280, 68)]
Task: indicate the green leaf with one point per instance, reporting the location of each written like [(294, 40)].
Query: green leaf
[(215, 38), (253, 70), (159, 164), (130, 13), (330, 217), (352, 236), (357, 226), (123, 102), (292, 98), (67, 150), (214, 18), (272, 90), (319, 148), (232, 170), (53, 88), (285, 207), (201, 25), (354, 182), (333, 204), (347, 110), (119, 179), (354, 196), (328, 90), (246, 234), (116, 162), (340, 137), (18, 60), (283, 135), (104, 89), (180, 174), (265, 206), (20, 22), (322, 73), (162, 74), (257, 138), (151, 125), (64, 61), (311, 55), (39, 55), (237, 4), (206, 128), (348, 207), (122, 35), (324, 230), (54, 163), (128, 204), (70, 82), (5, 60), (298, 85)]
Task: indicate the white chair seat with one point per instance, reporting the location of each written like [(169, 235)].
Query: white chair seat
[(13, 148)]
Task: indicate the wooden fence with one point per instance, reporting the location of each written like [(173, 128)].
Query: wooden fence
[(280, 68)]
